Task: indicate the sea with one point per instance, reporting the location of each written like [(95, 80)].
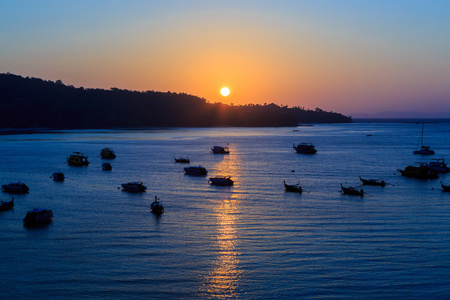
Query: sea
[(252, 240)]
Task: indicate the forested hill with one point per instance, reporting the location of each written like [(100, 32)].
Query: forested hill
[(36, 103)]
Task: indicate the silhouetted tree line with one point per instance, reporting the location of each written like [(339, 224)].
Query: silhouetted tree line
[(36, 103)]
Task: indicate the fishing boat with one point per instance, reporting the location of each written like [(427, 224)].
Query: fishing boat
[(220, 150), (15, 188), (221, 180), (106, 167), (134, 187), (107, 153), (156, 207), (183, 160), (445, 188), (421, 172), (78, 159), (372, 182), (58, 176), (424, 150), (438, 165), (296, 188), (352, 191), (6, 205), (195, 171), (38, 216), (305, 148)]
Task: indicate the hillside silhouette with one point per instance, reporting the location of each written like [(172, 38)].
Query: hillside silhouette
[(36, 103)]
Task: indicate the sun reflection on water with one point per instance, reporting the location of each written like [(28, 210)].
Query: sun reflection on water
[(222, 279)]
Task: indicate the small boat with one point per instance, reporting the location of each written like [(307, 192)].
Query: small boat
[(445, 188), (38, 216), (157, 207), (424, 150), (6, 205), (221, 180), (352, 191), (372, 182), (183, 160), (107, 153), (15, 188), (305, 148), (57, 176), (296, 188), (78, 159), (134, 187), (421, 172), (196, 171), (220, 150), (438, 165), (106, 167)]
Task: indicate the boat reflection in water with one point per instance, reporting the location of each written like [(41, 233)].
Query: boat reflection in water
[(222, 280)]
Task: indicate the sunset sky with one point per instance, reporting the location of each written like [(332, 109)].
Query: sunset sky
[(344, 56)]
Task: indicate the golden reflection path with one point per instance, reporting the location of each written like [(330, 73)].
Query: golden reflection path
[(222, 280)]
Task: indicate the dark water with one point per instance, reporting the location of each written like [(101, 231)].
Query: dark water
[(249, 241)]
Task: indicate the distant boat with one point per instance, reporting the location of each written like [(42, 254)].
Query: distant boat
[(134, 187), (352, 191), (57, 176), (106, 167), (107, 153), (221, 180), (156, 207), (421, 172), (424, 150), (372, 182), (196, 171), (438, 165), (183, 160), (6, 205), (15, 188), (38, 216), (78, 159), (296, 188), (305, 148), (220, 150), (445, 188)]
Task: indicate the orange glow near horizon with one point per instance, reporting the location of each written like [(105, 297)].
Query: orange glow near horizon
[(295, 55)]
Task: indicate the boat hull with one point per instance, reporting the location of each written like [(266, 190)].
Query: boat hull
[(4, 206), (38, 217), (196, 171)]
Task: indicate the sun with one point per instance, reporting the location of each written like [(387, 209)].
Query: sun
[(225, 91)]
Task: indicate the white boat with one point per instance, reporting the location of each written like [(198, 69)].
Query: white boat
[(438, 165), (221, 180), (38, 216), (134, 187), (195, 170)]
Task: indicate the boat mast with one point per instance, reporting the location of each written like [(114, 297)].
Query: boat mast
[(421, 138)]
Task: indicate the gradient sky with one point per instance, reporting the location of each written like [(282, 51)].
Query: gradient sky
[(344, 56)]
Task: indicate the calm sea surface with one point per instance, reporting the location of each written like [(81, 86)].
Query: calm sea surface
[(249, 241)]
